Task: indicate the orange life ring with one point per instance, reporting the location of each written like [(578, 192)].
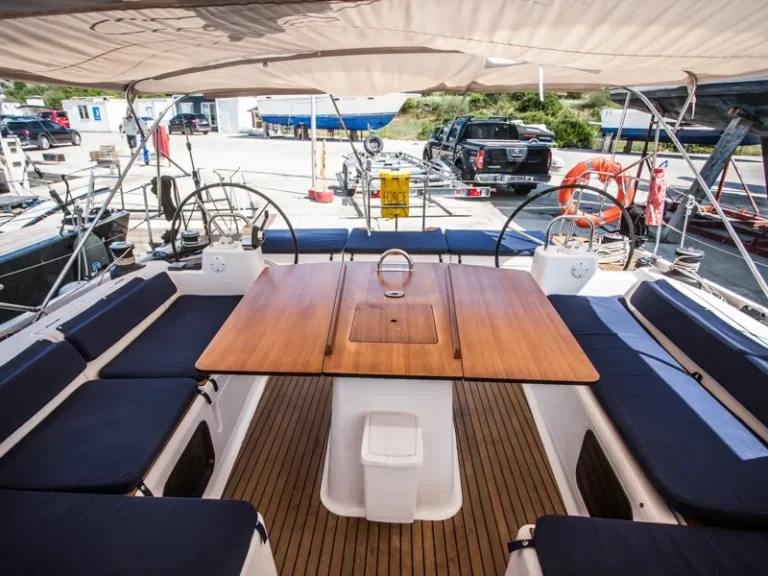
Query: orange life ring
[(605, 170)]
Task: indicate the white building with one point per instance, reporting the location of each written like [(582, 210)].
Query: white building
[(235, 116), (10, 107), (105, 114)]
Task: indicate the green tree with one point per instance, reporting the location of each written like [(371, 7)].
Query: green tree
[(532, 103)]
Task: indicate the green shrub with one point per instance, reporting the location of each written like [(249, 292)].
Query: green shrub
[(572, 131), (530, 102), (427, 126), (536, 118)]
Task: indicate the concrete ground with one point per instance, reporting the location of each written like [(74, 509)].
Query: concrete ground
[(281, 168)]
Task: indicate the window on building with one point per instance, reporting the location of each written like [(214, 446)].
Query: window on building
[(83, 111)]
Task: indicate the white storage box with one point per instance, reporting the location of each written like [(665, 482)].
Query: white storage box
[(392, 454)]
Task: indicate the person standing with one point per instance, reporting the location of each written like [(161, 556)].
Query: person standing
[(131, 129), (144, 130)]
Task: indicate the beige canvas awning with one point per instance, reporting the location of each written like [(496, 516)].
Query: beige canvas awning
[(379, 46)]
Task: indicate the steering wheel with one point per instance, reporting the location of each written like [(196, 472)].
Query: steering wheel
[(624, 215), (197, 195)]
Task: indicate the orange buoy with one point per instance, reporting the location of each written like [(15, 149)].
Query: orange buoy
[(605, 170)]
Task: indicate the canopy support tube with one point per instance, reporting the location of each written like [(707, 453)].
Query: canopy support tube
[(366, 193), (81, 243), (728, 226)]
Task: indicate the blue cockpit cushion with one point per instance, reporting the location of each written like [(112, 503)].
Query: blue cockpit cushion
[(703, 461), (171, 345), (483, 242), (413, 242), (310, 241), (99, 305), (102, 439), (98, 332), (736, 361), (32, 379), (90, 534), (571, 545)]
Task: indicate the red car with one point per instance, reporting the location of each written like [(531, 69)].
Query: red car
[(58, 116)]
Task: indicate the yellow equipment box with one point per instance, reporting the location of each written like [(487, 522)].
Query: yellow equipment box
[(395, 194)]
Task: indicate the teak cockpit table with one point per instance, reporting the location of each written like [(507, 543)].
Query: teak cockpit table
[(394, 340), (453, 321)]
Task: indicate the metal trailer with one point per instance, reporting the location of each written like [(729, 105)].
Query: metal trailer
[(439, 176)]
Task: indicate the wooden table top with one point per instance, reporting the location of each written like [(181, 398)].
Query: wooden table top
[(381, 336), (453, 322), (509, 330), (280, 326)]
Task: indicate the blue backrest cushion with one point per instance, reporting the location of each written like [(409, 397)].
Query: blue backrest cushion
[(703, 461), (309, 240), (101, 330), (32, 379), (483, 242), (413, 242), (100, 305), (737, 362)]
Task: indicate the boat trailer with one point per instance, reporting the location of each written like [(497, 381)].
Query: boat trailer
[(436, 177)]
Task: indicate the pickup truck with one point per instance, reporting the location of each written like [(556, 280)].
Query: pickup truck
[(493, 151)]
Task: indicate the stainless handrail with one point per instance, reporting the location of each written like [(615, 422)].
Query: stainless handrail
[(569, 217), (226, 215), (728, 226), (419, 178), (395, 252), (81, 243)]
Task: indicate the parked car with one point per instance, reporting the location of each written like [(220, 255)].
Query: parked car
[(189, 124), (58, 116), (40, 133), (493, 151)]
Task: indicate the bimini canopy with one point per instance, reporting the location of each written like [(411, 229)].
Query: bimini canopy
[(354, 47)]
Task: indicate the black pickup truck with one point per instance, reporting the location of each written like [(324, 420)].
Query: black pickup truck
[(493, 151)]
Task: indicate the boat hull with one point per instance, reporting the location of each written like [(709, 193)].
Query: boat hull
[(713, 102), (362, 122), (359, 113), (30, 272), (701, 136)]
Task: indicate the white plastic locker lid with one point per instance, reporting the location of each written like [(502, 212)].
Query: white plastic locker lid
[(392, 439)]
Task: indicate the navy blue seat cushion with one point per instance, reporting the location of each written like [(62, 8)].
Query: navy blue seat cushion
[(703, 461), (310, 241), (103, 438), (736, 361), (32, 379), (79, 534), (171, 345), (100, 305), (483, 242), (99, 331), (413, 242), (569, 545)]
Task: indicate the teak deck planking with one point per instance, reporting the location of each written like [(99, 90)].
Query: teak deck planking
[(403, 356), (279, 328), (537, 347), (506, 483)]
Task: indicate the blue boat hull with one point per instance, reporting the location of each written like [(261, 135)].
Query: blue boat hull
[(685, 135), (331, 122)]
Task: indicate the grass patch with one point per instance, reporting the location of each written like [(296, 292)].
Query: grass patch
[(406, 128)]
